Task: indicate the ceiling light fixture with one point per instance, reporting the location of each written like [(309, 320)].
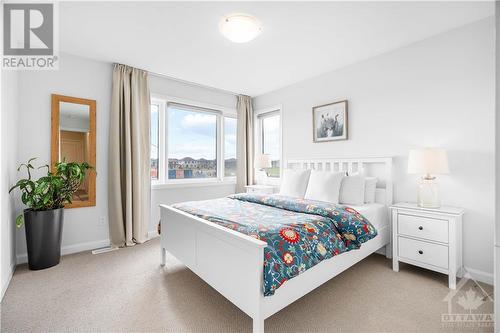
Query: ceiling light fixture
[(240, 28)]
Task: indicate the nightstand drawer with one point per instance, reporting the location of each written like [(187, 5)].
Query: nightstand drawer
[(423, 227), (427, 253)]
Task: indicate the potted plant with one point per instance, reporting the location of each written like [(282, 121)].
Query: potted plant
[(44, 217)]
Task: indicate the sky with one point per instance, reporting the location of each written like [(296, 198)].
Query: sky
[(193, 134)]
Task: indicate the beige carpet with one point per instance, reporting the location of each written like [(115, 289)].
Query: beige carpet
[(127, 291)]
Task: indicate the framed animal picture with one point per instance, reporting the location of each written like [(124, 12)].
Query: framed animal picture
[(330, 122)]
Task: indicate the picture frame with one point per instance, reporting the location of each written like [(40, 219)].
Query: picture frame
[(330, 122)]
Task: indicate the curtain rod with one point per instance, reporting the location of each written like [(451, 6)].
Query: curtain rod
[(193, 83)]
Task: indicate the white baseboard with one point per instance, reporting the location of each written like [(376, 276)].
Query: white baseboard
[(75, 248), (5, 285), (480, 275), (69, 249)]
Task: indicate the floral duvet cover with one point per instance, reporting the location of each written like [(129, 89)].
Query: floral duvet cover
[(299, 233)]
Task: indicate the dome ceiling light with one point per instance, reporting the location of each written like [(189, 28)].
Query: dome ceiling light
[(240, 28)]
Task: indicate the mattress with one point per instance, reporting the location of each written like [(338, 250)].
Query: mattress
[(376, 213)]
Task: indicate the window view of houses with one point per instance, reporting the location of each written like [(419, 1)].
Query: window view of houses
[(188, 167), (192, 144)]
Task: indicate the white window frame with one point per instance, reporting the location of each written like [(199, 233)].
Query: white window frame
[(220, 111), (259, 115), (159, 139), (223, 150)]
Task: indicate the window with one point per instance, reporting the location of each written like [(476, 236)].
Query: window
[(269, 139), (191, 142), (154, 140), (229, 147)]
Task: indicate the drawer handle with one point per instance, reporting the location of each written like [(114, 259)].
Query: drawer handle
[(420, 252), (420, 228)]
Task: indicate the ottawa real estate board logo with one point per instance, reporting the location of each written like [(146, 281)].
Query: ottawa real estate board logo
[(470, 306), (30, 36)]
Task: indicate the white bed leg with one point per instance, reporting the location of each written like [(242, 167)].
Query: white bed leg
[(258, 325), (163, 256)]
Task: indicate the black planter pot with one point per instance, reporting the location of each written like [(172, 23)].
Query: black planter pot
[(43, 237)]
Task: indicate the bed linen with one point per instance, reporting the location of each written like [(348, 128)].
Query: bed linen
[(376, 213), (299, 233)]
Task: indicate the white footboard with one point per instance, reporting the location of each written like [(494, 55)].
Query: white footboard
[(229, 261)]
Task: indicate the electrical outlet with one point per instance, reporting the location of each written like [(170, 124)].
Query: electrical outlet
[(102, 221)]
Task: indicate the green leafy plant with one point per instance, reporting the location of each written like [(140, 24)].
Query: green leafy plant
[(53, 190)]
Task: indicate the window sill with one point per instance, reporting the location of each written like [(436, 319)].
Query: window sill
[(184, 184)]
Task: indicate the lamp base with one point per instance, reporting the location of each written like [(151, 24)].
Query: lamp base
[(428, 193), (261, 177)]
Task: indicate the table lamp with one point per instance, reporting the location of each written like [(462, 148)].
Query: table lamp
[(428, 162), (263, 161)]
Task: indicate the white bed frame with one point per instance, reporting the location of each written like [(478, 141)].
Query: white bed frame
[(218, 255)]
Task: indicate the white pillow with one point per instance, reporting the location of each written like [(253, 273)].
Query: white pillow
[(324, 186), (294, 182), (370, 188), (352, 190)]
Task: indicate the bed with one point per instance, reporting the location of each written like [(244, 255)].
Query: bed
[(233, 263)]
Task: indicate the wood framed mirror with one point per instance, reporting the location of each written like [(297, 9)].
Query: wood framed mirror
[(73, 139)]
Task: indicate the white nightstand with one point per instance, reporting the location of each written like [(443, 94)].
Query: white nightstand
[(428, 237), (260, 189)]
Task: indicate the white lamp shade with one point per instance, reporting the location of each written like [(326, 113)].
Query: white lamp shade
[(263, 161), (428, 161)]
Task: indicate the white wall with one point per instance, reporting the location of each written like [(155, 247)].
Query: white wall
[(76, 77), (497, 168), (437, 92), (8, 174), (91, 79)]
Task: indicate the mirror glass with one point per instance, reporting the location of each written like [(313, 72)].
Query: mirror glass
[(73, 140), (74, 130)]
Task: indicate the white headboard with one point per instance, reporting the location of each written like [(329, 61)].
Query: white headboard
[(380, 167)]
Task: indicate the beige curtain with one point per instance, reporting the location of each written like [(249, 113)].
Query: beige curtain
[(129, 175), (244, 143)]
